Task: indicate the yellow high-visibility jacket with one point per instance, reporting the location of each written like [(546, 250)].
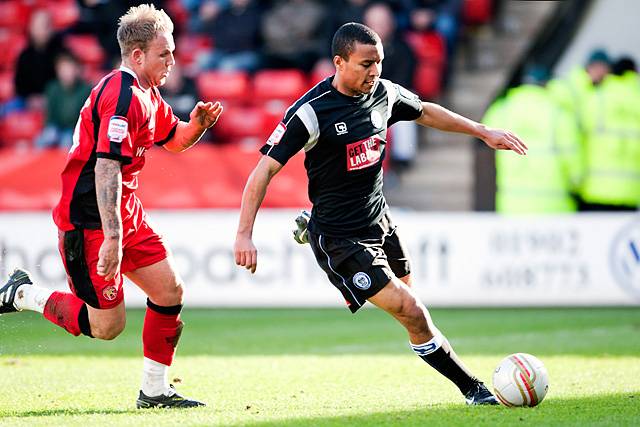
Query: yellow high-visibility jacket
[(543, 180)]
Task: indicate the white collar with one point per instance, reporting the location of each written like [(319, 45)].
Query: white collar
[(128, 70)]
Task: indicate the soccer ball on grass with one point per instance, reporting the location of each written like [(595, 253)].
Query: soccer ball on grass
[(520, 380)]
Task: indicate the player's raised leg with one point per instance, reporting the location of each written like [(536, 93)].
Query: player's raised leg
[(397, 299), (160, 334)]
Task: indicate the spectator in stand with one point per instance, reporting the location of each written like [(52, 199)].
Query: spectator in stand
[(180, 93), (442, 16), (573, 90), (65, 96), (611, 124), (236, 33), (35, 66), (545, 181), (295, 34), (399, 67), (202, 10)]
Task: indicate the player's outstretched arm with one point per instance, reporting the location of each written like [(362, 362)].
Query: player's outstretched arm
[(108, 195), (245, 252), (203, 116), (438, 117)]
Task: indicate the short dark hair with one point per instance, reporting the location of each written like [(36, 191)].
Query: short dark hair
[(622, 65), (350, 33)]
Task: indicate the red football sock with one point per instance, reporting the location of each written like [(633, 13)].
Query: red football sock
[(161, 332), (69, 312)]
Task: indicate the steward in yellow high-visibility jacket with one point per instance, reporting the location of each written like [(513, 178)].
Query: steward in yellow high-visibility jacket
[(612, 145), (542, 181), (572, 91)]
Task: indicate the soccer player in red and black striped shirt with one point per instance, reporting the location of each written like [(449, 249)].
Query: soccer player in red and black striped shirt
[(103, 229)]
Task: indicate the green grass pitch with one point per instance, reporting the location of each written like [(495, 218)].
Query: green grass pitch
[(323, 367)]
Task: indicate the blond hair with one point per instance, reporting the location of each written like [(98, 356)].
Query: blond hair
[(140, 25)]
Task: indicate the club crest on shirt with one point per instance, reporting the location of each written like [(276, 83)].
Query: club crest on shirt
[(362, 280), (376, 119), (110, 293), (362, 154), (117, 130), (277, 134)]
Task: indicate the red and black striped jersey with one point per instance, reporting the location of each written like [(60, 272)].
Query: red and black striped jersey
[(120, 120)]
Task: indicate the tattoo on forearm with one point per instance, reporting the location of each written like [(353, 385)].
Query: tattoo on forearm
[(108, 194)]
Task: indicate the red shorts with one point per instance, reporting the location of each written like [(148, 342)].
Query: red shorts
[(79, 248)]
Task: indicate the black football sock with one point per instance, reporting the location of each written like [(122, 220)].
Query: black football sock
[(441, 357)]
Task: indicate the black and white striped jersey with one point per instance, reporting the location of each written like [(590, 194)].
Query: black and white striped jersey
[(344, 141)]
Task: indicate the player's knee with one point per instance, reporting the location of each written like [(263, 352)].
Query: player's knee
[(171, 296), (414, 313), (109, 330)]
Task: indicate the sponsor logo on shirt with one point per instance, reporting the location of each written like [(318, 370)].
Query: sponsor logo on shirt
[(140, 151), (277, 134), (341, 128), (363, 154), (117, 130)]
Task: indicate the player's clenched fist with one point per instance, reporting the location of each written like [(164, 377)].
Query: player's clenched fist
[(246, 253)]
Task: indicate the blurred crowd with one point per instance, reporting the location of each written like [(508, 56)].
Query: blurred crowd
[(583, 128), (248, 53), (583, 132)]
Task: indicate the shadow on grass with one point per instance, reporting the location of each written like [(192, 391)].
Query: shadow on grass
[(621, 409), (70, 412)]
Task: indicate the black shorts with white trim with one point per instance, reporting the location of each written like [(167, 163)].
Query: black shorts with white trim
[(360, 266)]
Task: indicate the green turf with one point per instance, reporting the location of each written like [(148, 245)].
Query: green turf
[(323, 367)]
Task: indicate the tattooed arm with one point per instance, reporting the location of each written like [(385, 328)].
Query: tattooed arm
[(109, 194)]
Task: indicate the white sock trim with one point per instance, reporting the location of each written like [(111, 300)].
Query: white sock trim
[(154, 378), (430, 346)]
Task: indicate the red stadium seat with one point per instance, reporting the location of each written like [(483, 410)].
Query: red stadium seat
[(20, 128), (427, 46), (285, 85), (428, 80), (14, 14), (274, 114), (243, 122), (11, 44), (6, 86), (477, 12), (224, 86), (64, 13), (86, 48)]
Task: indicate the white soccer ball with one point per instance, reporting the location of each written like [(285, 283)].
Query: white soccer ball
[(520, 380)]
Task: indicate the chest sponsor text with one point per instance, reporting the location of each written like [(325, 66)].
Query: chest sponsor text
[(362, 154)]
